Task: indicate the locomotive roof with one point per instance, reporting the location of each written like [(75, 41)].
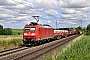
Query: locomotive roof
[(42, 25), (45, 26), (33, 23)]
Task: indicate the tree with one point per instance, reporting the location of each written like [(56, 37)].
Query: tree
[(79, 28), (7, 31), (88, 27), (88, 30), (1, 29)]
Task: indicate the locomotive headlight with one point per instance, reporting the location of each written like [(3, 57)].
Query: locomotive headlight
[(33, 34), (56, 34), (24, 39), (25, 33)]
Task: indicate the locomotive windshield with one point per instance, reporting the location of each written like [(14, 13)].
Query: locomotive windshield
[(29, 29)]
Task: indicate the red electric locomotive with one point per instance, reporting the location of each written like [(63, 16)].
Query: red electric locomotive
[(35, 33)]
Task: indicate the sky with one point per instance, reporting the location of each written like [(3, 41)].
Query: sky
[(67, 13)]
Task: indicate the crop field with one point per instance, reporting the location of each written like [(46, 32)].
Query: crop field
[(10, 37), (10, 41), (80, 50), (17, 31)]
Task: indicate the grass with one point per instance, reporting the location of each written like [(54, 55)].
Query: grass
[(80, 50), (17, 31), (10, 41), (10, 37)]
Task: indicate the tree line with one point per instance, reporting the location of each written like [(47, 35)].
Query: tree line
[(8, 31), (5, 31), (88, 30)]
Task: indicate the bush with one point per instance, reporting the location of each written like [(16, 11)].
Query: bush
[(1, 31), (7, 31), (88, 27), (88, 30), (87, 33)]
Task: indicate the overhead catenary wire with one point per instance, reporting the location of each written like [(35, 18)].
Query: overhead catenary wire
[(36, 9), (13, 11), (25, 15), (32, 8), (46, 8)]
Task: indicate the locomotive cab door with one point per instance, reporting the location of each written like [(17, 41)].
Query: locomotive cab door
[(39, 34)]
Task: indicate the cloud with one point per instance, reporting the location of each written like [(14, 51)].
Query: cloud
[(1, 20), (84, 9), (49, 21), (69, 22), (6, 15), (20, 12), (3, 2), (66, 16), (68, 11), (74, 3), (10, 2), (51, 12), (47, 3)]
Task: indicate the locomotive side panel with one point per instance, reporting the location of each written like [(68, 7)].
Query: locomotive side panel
[(46, 33)]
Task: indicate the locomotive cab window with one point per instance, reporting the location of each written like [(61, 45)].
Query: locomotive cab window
[(29, 29), (32, 29)]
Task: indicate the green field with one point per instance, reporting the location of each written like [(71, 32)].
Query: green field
[(10, 41), (17, 31), (79, 50)]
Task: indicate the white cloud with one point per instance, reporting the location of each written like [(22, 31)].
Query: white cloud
[(47, 3), (70, 22), (12, 21), (10, 2), (66, 16), (3, 2), (7, 22), (74, 3), (6, 15), (51, 12), (49, 21), (12, 11), (68, 11), (1, 20), (84, 9), (16, 24)]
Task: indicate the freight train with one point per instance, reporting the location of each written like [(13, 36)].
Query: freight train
[(35, 33)]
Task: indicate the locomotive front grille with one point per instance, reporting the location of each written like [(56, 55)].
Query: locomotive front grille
[(28, 41)]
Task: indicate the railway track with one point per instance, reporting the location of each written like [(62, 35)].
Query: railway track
[(27, 53), (9, 51)]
